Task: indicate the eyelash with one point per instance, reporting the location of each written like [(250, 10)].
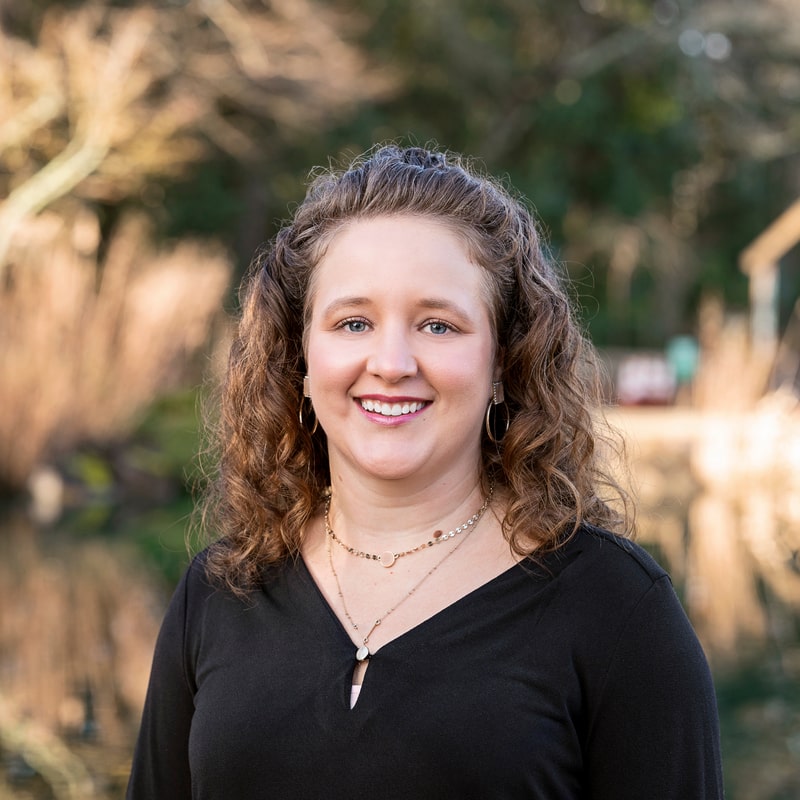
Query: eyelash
[(343, 325), (450, 328), (349, 321)]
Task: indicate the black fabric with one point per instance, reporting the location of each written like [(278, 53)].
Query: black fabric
[(576, 678)]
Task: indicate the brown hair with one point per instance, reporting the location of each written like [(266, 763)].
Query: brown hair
[(273, 472)]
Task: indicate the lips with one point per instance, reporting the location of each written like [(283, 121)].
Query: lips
[(399, 409)]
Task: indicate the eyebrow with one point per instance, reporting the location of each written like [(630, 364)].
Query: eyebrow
[(434, 303), (444, 305), (344, 302)]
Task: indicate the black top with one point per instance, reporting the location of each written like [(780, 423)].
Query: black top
[(576, 678)]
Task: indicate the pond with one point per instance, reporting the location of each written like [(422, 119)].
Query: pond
[(81, 601)]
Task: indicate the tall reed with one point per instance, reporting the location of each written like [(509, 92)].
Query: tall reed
[(86, 342)]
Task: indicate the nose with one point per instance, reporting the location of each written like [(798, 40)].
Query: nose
[(392, 356)]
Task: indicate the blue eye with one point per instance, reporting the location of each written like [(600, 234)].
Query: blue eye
[(354, 325), (437, 327)]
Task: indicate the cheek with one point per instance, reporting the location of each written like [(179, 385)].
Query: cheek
[(328, 364), (469, 374)]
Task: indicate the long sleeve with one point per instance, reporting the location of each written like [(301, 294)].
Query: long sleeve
[(576, 679), (654, 733), (160, 769)]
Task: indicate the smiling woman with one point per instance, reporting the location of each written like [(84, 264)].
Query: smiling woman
[(414, 535), (399, 340)]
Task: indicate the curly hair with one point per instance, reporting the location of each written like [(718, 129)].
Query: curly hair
[(273, 473)]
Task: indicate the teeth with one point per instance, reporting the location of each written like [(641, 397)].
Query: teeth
[(390, 409)]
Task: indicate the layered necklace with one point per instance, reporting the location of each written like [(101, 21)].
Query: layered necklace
[(388, 557), (363, 652)]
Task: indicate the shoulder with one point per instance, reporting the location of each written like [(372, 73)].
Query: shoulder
[(602, 583), (195, 579), (209, 613), (198, 588), (618, 552), (597, 556), (201, 588), (622, 609)]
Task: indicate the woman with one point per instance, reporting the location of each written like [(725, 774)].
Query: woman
[(415, 591)]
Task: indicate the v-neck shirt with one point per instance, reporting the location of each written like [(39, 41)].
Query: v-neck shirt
[(575, 677)]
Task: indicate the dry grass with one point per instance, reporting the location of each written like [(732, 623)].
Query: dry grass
[(104, 104), (85, 345)]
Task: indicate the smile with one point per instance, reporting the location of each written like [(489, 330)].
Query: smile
[(392, 409)]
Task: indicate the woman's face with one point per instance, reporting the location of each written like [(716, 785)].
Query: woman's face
[(400, 351)]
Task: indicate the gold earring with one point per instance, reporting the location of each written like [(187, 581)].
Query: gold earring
[(307, 396), (491, 421)]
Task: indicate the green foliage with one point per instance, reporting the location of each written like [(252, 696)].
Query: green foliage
[(759, 706), (208, 202), (160, 537), (167, 440), (595, 108), (590, 108)]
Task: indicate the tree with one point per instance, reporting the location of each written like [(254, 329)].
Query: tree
[(656, 139), (101, 104)]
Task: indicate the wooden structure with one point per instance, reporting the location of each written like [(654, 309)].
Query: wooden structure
[(759, 261)]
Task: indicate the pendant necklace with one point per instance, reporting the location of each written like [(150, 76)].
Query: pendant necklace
[(363, 652)]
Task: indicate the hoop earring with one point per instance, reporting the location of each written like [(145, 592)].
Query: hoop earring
[(307, 396), (492, 423)]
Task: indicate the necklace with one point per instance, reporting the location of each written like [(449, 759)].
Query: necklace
[(363, 652), (388, 557)]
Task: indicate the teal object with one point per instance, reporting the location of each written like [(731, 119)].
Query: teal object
[(683, 355)]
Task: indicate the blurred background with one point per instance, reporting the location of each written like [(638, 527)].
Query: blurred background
[(148, 148)]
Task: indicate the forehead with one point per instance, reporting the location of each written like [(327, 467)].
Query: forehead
[(390, 251)]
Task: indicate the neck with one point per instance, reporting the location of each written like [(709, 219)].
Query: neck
[(388, 514)]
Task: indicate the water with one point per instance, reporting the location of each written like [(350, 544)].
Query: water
[(81, 601), (78, 618), (719, 500)]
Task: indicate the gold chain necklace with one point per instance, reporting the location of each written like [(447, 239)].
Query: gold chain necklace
[(388, 557), (363, 652)]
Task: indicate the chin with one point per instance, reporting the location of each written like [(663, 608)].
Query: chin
[(391, 472), (393, 469)]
